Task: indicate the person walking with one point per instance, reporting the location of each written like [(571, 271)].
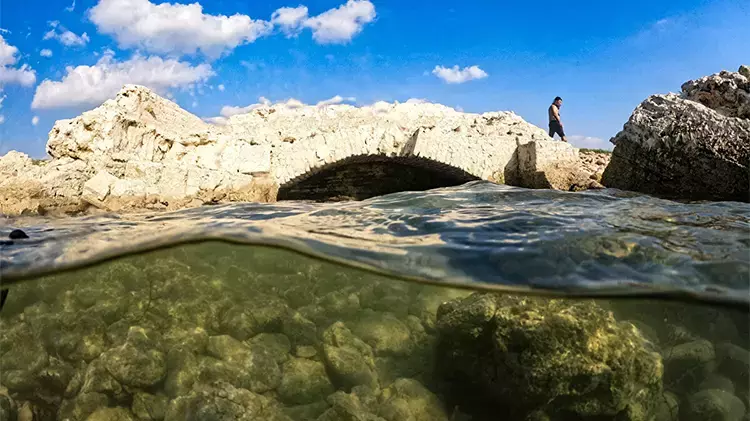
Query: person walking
[(555, 124)]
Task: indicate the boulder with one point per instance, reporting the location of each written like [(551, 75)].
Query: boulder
[(556, 358), (712, 404), (693, 146), (304, 382), (350, 361)]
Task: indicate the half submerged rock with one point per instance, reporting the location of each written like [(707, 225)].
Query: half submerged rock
[(693, 146)]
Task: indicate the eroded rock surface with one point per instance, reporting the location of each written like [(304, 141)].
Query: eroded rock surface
[(695, 145), (139, 150)]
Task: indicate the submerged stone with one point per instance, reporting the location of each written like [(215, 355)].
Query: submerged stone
[(148, 407), (83, 405), (304, 381), (222, 402), (713, 405), (407, 399), (254, 370), (384, 332), (349, 359), (566, 358), (136, 363), (111, 414)]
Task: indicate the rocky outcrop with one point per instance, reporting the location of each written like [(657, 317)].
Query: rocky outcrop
[(141, 150), (695, 145)]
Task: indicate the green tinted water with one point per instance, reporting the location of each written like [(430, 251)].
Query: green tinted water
[(226, 332)]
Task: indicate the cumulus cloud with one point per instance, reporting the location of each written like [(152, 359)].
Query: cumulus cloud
[(228, 110), (66, 37), (338, 99), (184, 29), (341, 24), (221, 88), (2, 119), (9, 73), (46, 53), (92, 85), (34, 120), (589, 142), (456, 75), (172, 28), (290, 19)]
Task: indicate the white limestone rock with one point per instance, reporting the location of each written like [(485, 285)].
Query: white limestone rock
[(140, 144)]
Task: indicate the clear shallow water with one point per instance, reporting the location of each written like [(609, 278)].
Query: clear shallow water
[(356, 312), (479, 234)]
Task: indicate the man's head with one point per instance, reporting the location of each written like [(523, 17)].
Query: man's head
[(557, 101)]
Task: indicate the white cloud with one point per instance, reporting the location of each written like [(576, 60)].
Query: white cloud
[(34, 120), (221, 88), (172, 28), (589, 142), (338, 99), (66, 37), (228, 110), (46, 53), (10, 74), (343, 23), (456, 75), (2, 119), (72, 7), (92, 85), (290, 19)]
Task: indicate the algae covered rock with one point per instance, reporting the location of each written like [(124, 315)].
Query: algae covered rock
[(251, 369), (304, 381), (384, 332), (713, 405), (349, 407), (222, 402), (350, 360), (148, 407), (136, 363), (564, 358), (111, 414), (407, 399)]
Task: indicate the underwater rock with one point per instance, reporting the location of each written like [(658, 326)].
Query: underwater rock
[(300, 330), (98, 379), (349, 359), (407, 399), (83, 405), (276, 345), (686, 365), (193, 339), (734, 362), (384, 332), (668, 408), (427, 301), (348, 407), (262, 314), (8, 407), (252, 370), (111, 414), (714, 405), (136, 363), (75, 335), (148, 407), (304, 381), (717, 381), (22, 357), (307, 412), (183, 371), (222, 401), (394, 297), (693, 146), (565, 358)]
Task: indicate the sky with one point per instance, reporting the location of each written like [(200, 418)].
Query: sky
[(59, 58)]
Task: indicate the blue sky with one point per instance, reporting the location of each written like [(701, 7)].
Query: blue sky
[(61, 58)]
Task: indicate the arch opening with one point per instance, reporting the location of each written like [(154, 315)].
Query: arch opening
[(366, 176)]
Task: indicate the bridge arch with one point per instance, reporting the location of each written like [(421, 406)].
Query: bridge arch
[(360, 177)]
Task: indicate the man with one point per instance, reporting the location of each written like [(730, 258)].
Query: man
[(555, 124)]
